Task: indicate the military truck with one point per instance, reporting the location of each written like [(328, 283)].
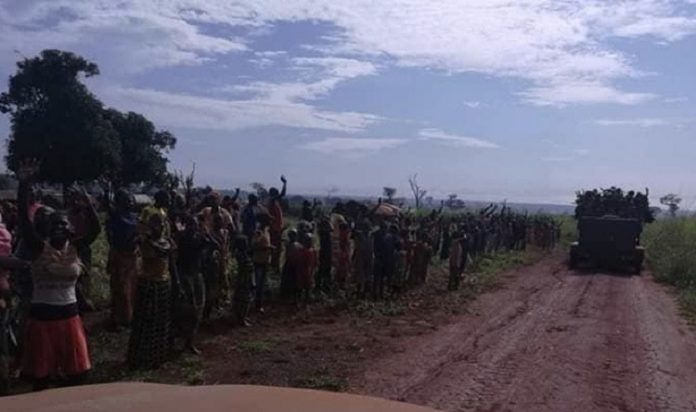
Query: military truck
[(608, 242)]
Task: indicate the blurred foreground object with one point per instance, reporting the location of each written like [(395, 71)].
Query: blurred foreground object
[(148, 397)]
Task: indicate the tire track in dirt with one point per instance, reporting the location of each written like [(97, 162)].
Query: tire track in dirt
[(551, 339)]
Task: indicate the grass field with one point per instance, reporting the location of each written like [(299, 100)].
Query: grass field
[(671, 253)]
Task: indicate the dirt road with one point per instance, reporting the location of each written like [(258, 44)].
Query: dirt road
[(551, 339)]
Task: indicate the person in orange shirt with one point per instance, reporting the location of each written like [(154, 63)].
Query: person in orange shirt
[(275, 209)]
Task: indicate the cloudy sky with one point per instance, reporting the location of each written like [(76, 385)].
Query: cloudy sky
[(527, 100)]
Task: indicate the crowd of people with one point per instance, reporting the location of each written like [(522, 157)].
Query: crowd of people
[(614, 201), (174, 263)]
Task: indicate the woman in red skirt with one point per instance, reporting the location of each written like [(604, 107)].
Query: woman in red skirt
[(54, 345)]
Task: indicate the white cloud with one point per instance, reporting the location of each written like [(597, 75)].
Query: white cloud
[(558, 159), (350, 146), (639, 122), (680, 99), (472, 104), (581, 92), (327, 72), (561, 48), (271, 53), (558, 46), (267, 58), (289, 100), (188, 111), (130, 36), (437, 135), (667, 28)]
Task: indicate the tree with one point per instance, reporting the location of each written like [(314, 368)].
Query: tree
[(672, 201), (389, 193), (451, 199), (187, 183), (418, 193), (55, 118), (143, 148)]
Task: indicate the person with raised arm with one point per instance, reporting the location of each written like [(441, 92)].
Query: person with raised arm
[(55, 344)]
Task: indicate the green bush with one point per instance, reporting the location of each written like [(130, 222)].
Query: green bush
[(671, 253)]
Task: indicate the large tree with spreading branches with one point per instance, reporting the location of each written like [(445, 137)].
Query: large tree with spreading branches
[(58, 121)]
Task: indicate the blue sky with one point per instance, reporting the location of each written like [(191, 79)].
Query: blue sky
[(525, 100)]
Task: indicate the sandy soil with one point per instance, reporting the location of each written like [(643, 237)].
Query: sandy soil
[(550, 339)]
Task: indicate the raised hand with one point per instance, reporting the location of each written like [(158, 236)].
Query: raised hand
[(27, 169), (283, 179)]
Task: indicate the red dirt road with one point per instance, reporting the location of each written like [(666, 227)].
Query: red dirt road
[(550, 339)]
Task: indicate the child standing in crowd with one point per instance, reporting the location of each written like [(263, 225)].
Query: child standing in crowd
[(456, 256), (215, 264), (398, 279), (188, 308), (288, 280), (261, 254), (422, 253), (362, 259), (306, 265), (325, 256), (343, 257), (244, 287), (385, 253)]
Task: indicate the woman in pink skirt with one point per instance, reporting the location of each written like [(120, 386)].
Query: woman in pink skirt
[(54, 345)]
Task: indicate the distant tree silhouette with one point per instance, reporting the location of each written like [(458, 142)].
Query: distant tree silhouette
[(389, 193), (418, 192), (672, 202)]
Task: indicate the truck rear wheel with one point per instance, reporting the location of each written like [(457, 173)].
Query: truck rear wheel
[(638, 267), (572, 262)]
